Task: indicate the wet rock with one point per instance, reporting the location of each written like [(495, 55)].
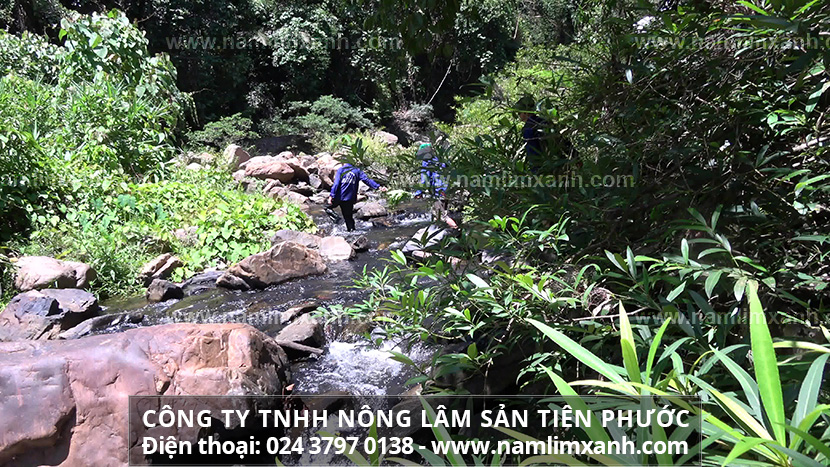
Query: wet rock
[(160, 268), (382, 222), (268, 168), (231, 282), (41, 272), (234, 156), (302, 238), (281, 263), (201, 283), (41, 315), (99, 323), (370, 210), (336, 249), (306, 331), (288, 315), (69, 403), (161, 290), (360, 244)]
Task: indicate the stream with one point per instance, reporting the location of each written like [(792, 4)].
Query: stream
[(350, 363)]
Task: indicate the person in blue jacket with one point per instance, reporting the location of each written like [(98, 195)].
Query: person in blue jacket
[(532, 132), (345, 188), (430, 177)]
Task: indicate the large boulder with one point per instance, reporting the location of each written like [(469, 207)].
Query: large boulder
[(161, 267), (369, 210), (234, 156), (66, 402), (98, 323), (41, 272), (281, 263), (304, 239), (336, 249), (327, 168), (45, 314), (268, 168)]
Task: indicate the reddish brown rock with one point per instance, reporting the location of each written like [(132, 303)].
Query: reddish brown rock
[(42, 272), (160, 268), (66, 402), (269, 168), (327, 168), (281, 263)]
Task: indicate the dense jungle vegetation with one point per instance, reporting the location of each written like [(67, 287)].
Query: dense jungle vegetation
[(687, 254)]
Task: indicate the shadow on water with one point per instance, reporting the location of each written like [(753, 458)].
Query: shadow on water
[(347, 365)]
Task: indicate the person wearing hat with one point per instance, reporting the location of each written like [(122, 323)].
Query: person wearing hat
[(344, 191), (430, 177)]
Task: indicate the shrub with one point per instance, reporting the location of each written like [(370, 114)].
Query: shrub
[(322, 119), (221, 133), (100, 101)]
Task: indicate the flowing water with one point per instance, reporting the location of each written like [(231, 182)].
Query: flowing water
[(349, 364)]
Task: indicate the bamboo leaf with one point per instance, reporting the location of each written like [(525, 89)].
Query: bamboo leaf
[(766, 365), (712, 282), (629, 349), (810, 387), (652, 351), (582, 354)]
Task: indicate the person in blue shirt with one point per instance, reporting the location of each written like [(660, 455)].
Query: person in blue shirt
[(532, 132), (430, 177), (345, 188)]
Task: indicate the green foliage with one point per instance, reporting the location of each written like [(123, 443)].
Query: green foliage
[(120, 225), (101, 101), (763, 428), (322, 119), (221, 133), (392, 166)]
